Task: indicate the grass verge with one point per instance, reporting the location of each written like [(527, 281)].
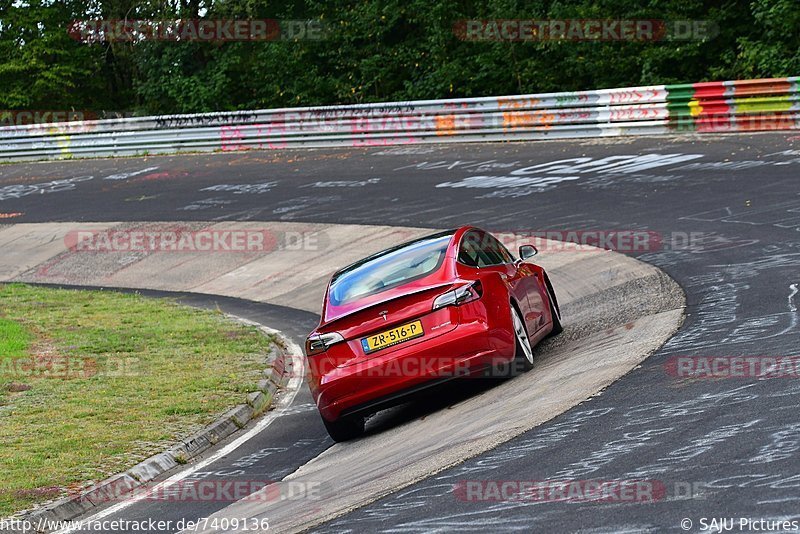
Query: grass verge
[(92, 382)]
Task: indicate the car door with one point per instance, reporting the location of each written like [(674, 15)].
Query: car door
[(522, 281), (480, 249)]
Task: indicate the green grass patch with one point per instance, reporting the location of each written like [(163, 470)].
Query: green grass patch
[(14, 339), (92, 382)]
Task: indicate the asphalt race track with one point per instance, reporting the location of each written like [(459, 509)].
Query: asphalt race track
[(726, 208)]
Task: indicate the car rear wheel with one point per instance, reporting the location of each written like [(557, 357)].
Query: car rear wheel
[(523, 357), (345, 428)]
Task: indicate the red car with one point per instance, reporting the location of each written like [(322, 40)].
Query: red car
[(448, 305)]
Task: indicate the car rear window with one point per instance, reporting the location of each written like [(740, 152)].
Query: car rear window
[(389, 269)]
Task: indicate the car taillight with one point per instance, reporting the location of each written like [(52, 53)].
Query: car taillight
[(319, 343), (459, 295)]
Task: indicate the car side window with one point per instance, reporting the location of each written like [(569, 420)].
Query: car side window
[(496, 248), (468, 250), (478, 249), (490, 247)]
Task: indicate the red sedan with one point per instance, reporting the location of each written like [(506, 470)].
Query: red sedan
[(448, 305)]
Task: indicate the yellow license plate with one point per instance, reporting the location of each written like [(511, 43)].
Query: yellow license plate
[(392, 337)]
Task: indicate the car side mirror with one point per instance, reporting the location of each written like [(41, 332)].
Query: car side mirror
[(527, 251)]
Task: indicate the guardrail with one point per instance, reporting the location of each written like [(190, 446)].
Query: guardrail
[(735, 106)]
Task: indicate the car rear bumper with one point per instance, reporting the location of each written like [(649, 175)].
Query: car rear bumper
[(388, 379)]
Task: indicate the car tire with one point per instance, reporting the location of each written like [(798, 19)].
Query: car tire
[(345, 428), (523, 353), (555, 312)]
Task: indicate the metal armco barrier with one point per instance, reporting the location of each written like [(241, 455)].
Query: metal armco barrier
[(736, 106)]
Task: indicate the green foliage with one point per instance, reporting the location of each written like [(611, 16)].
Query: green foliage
[(775, 49), (40, 66), (374, 51)]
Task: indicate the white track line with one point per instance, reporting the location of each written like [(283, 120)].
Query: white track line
[(792, 311), (285, 401)]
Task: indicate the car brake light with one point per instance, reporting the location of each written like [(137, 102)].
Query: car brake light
[(319, 343), (460, 295)]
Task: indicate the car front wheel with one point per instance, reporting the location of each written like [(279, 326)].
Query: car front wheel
[(523, 358)]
